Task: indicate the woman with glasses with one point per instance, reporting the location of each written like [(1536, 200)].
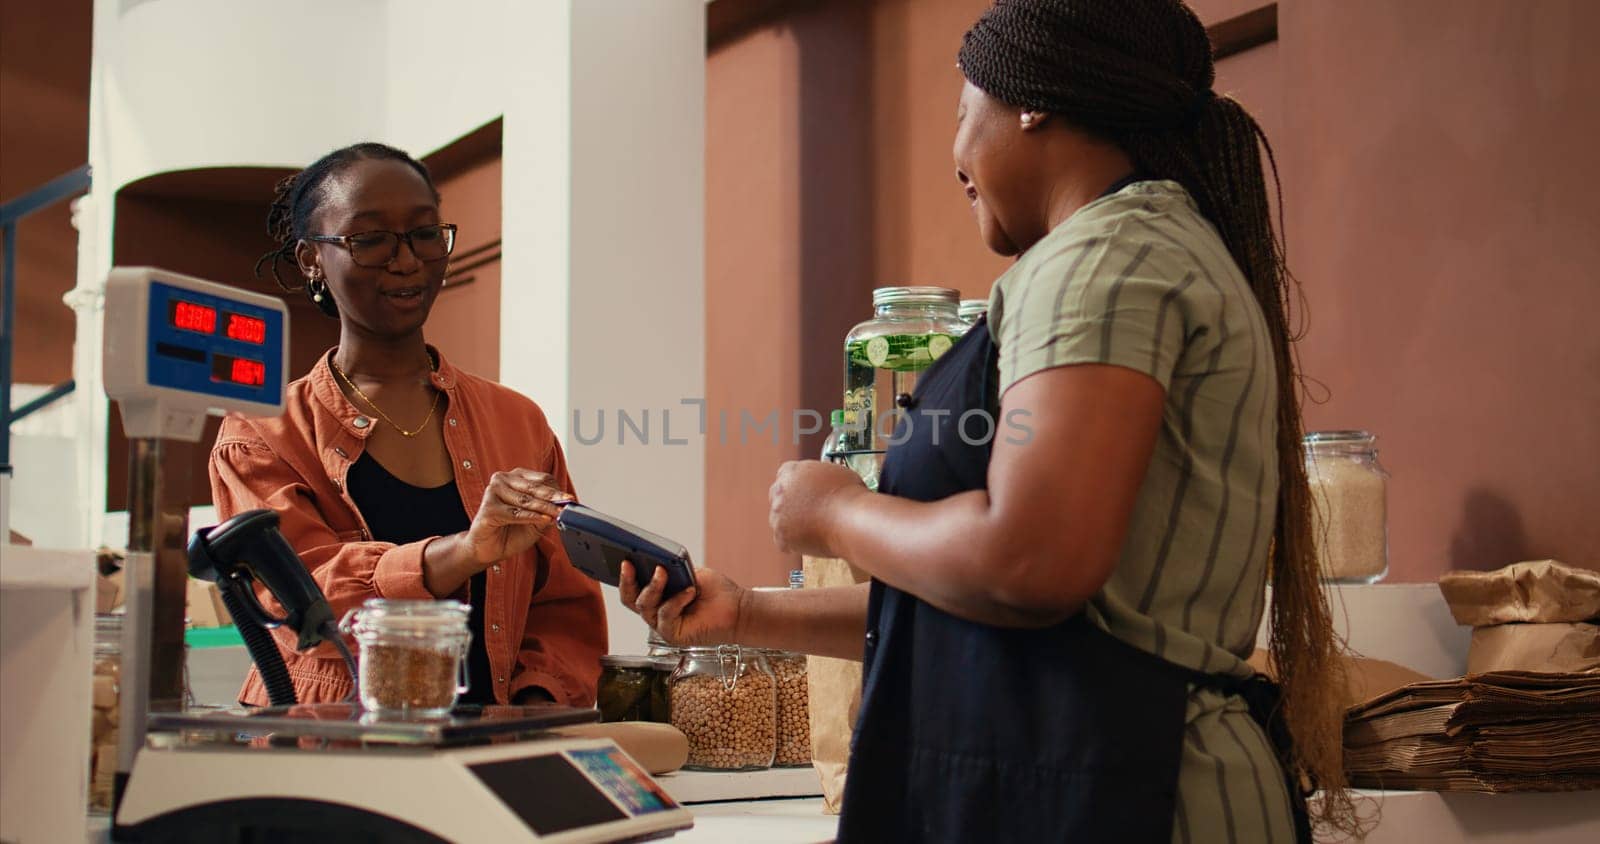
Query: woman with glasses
[(395, 474)]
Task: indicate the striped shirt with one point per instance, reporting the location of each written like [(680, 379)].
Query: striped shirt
[(1140, 279)]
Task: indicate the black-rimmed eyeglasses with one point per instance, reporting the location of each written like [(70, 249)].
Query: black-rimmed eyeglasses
[(378, 248)]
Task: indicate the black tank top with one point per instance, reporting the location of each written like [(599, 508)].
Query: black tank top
[(400, 513)]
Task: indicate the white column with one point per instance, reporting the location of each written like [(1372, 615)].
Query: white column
[(603, 298), (90, 409)]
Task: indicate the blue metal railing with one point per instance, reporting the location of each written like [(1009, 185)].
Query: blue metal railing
[(64, 186)]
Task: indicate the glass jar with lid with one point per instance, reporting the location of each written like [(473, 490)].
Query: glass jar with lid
[(910, 329), (413, 655), (628, 689), (724, 699), (1349, 504), (107, 700), (971, 309)]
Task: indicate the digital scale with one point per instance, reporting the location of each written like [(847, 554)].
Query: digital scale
[(179, 348)]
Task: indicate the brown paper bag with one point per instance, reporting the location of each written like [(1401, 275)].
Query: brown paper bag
[(1364, 678), (835, 692), (1543, 591), (1548, 648)]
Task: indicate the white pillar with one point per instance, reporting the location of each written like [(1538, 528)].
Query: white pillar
[(603, 299), (90, 409)]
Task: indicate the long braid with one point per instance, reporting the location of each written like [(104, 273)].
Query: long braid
[(1139, 73), (295, 200)]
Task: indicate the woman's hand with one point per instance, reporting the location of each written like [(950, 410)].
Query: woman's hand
[(518, 507), (704, 614), (802, 500)]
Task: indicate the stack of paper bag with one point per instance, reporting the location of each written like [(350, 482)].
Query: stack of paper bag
[(1501, 731)]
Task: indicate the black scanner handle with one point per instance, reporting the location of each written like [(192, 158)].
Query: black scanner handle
[(249, 548)]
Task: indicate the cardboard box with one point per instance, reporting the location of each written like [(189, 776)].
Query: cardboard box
[(205, 605), (108, 591)]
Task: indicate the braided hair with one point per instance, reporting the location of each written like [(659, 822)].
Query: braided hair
[(296, 198), (1139, 74)]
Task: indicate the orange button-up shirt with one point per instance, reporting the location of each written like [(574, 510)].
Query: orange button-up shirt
[(544, 621)]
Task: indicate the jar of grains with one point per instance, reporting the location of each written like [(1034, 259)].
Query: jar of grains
[(413, 655), (794, 709), (1349, 502), (107, 704), (724, 699)]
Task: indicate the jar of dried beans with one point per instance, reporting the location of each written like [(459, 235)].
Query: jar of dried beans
[(413, 655), (1350, 505), (794, 709), (724, 699)]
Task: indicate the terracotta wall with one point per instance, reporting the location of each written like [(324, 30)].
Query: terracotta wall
[(465, 322), (1435, 178), (1441, 178), (44, 132)]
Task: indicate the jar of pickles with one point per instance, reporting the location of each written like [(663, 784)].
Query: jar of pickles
[(1350, 505), (724, 699), (632, 688), (911, 328)]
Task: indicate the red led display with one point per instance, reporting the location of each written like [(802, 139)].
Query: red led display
[(249, 372), (191, 317), (243, 371), (247, 329)]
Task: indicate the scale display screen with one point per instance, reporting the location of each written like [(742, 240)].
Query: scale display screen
[(573, 789), (203, 343)]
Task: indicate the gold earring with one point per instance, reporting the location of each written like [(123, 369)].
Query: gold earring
[(317, 288)]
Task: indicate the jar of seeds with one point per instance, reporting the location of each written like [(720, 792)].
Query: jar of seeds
[(1350, 505), (413, 655), (724, 699)]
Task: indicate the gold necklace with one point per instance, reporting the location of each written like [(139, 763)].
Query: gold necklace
[(378, 410)]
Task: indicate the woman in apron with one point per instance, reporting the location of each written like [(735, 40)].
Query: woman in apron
[(1071, 542)]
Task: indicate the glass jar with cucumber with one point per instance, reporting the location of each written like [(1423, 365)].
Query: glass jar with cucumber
[(911, 328)]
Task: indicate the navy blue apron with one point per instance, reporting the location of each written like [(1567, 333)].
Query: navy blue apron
[(969, 732)]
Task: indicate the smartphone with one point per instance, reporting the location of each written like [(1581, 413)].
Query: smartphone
[(597, 544)]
